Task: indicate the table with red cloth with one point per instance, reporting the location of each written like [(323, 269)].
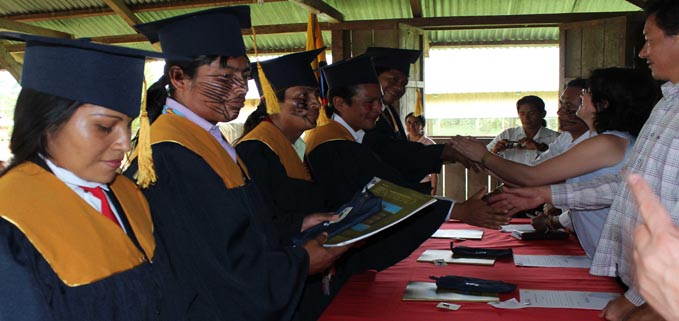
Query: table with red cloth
[(378, 295)]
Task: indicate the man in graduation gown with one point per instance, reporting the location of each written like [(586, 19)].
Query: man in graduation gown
[(77, 239), (207, 211), (340, 161), (388, 138)]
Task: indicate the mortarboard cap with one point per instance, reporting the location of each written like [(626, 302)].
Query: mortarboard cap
[(394, 58), (208, 32), (283, 72), (291, 70), (355, 71), (104, 75)]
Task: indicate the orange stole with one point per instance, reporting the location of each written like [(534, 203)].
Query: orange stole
[(329, 132), (270, 135), (179, 130), (80, 244)]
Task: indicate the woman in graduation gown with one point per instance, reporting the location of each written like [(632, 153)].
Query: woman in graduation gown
[(209, 214), (76, 238), (273, 152)]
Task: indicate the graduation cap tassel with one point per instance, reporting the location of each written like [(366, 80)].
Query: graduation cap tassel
[(146, 175), (322, 116), (419, 108), (272, 106)]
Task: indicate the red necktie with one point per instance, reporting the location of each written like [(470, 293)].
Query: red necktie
[(105, 206)]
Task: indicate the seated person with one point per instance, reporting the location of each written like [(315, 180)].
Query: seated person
[(415, 128), (615, 105), (524, 143)]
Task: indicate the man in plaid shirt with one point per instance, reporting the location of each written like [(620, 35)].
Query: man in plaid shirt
[(655, 157)]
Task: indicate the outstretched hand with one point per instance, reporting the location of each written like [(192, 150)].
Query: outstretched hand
[(475, 211), (469, 147), (515, 200)]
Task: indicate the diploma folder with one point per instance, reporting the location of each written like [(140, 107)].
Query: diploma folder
[(360, 218)]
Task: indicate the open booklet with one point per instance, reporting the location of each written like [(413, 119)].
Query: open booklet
[(380, 205)]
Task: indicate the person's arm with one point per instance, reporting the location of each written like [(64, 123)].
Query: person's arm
[(595, 194), (583, 158)]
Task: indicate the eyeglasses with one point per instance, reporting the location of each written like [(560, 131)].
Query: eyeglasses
[(586, 91)]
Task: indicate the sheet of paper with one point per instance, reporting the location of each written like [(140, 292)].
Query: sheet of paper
[(511, 304), (459, 234), (447, 256), (553, 261), (426, 291), (566, 299), (517, 227)]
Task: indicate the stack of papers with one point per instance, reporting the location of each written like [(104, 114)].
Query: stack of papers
[(517, 227), (558, 299), (447, 256), (459, 234), (560, 261), (427, 291)]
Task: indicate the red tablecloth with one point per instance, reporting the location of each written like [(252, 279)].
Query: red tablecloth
[(378, 295)]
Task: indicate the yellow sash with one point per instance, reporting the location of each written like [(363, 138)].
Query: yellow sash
[(179, 130), (270, 135), (329, 132), (80, 244)]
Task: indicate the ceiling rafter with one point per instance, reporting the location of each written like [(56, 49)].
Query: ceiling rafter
[(6, 24), (106, 11), (322, 9), (121, 9), (9, 63), (638, 3), (416, 8)]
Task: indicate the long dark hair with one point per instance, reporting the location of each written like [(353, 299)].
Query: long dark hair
[(623, 98), (260, 113), (35, 116)]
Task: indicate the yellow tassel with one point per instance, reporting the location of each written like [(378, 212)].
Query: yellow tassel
[(419, 108), (322, 117), (146, 176), (272, 106)]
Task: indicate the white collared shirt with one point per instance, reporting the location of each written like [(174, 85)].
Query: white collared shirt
[(357, 134), (74, 182)]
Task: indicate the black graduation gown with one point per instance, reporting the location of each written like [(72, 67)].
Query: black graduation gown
[(343, 167), (414, 160), (31, 289), (291, 198), (219, 242)]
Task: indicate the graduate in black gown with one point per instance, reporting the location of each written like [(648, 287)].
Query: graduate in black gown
[(208, 212), (388, 138), (76, 238), (341, 163), (273, 149)]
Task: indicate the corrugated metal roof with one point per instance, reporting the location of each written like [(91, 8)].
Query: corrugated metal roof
[(285, 12)]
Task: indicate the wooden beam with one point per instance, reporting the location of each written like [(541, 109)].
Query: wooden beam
[(9, 63), (638, 3), (105, 11), (10, 25), (439, 23), (321, 8), (121, 9), (416, 8)]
